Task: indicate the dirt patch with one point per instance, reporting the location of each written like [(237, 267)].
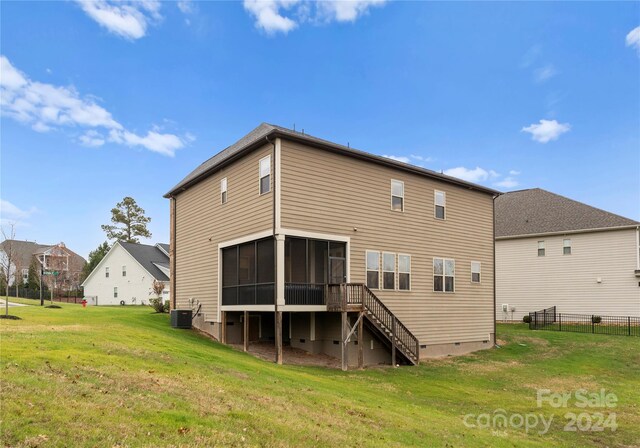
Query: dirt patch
[(489, 367), (290, 355)]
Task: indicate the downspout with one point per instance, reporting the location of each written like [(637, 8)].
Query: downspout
[(275, 242), (495, 326), (173, 253)]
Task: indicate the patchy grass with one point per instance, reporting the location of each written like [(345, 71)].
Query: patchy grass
[(120, 376)]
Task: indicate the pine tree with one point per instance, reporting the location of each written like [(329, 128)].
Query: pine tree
[(129, 222)]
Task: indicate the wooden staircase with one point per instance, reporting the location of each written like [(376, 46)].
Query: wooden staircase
[(357, 297)]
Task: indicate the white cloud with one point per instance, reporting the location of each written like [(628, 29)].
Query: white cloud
[(92, 139), (633, 38), (46, 107), (545, 73), (128, 19), (274, 16), (186, 6), (12, 214), (268, 17), (346, 10), (507, 182), (422, 158), (471, 175), (402, 159), (547, 130), (514, 173)]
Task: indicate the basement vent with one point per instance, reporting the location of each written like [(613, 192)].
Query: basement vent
[(229, 323), (303, 341), (457, 343), (423, 346), (336, 342), (485, 342)]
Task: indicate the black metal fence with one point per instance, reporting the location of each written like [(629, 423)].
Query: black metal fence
[(550, 319)]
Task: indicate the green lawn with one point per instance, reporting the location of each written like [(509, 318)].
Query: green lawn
[(122, 377)]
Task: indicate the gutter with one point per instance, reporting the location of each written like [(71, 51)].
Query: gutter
[(567, 232)]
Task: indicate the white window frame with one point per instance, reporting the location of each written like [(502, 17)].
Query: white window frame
[(542, 247), (566, 246), (479, 272), (106, 272), (443, 205), (444, 275), (367, 270), (401, 183), (401, 272), (260, 176), (115, 292), (224, 196), (124, 270), (383, 271), (25, 276)]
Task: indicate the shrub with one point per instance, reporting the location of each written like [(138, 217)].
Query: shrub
[(158, 305), (596, 319), (526, 319)]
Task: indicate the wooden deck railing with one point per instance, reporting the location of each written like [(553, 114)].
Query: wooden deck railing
[(351, 296)]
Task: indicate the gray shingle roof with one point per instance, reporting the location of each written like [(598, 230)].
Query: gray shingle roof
[(259, 135), (164, 247), (536, 211), (148, 255), (25, 250)]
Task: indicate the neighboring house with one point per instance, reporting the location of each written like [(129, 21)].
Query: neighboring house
[(289, 238), (126, 274), (55, 258), (554, 251)]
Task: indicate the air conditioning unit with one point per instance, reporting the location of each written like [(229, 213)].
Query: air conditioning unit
[(181, 318), (505, 307)]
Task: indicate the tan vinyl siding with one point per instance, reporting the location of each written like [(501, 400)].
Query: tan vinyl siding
[(333, 194), (531, 283), (202, 222)]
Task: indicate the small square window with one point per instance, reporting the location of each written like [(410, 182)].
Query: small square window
[(440, 204), (566, 247), (397, 195), (540, 248)]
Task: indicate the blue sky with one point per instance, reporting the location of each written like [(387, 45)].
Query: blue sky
[(104, 100)]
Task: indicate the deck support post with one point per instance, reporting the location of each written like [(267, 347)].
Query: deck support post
[(344, 342), (361, 341), (393, 342), (223, 327), (278, 337), (246, 332)]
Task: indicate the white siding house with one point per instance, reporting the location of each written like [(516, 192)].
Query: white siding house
[(552, 251), (126, 274)]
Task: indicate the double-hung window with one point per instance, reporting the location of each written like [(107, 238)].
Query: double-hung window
[(404, 272), (115, 292), (475, 271), (124, 271), (388, 270), (397, 195), (265, 175), (444, 271), (541, 249), (440, 198), (566, 247), (106, 271), (373, 269), (223, 191)]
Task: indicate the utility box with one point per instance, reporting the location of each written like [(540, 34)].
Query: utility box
[(181, 318)]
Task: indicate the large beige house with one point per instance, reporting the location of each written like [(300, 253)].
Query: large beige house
[(554, 251), (288, 238)]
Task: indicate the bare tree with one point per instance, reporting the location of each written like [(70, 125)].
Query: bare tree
[(8, 261)]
